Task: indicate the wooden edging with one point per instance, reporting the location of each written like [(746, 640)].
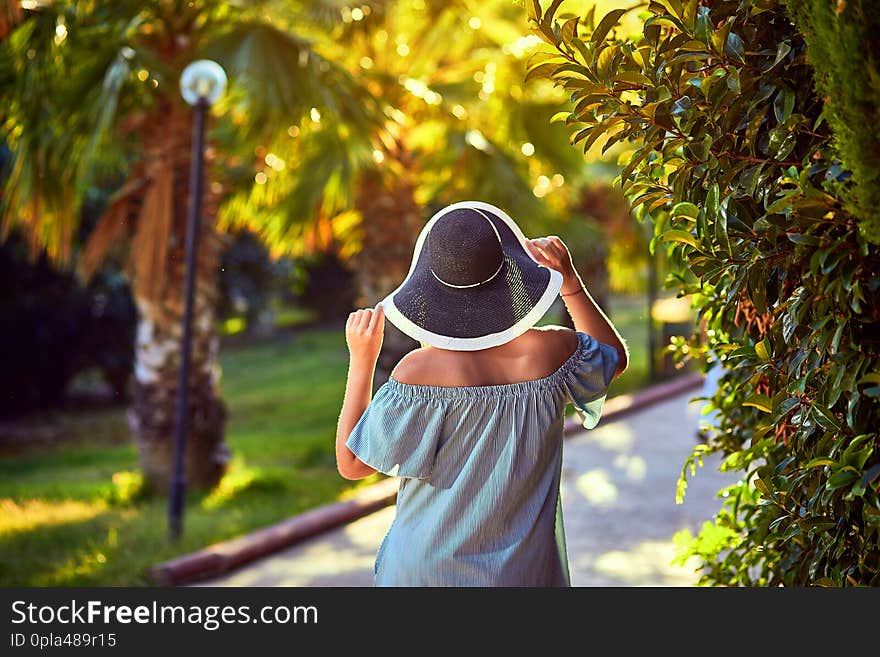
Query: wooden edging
[(226, 556)]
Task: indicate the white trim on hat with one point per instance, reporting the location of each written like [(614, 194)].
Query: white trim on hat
[(485, 341)]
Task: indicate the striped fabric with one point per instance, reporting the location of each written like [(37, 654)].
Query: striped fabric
[(478, 503)]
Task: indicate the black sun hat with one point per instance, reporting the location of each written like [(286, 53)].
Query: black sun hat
[(472, 283)]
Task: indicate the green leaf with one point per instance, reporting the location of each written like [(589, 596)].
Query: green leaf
[(762, 348), (786, 406), (545, 70), (674, 6), (854, 454), (712, 202), (825, 418), (783, 104), (819, 461), (719, 36), (586, 103), (817, 524), (542, 57), (733, 82), (634, 77), (741, 352), (598, 131), (535, 9), (633, 163), (835, 340), (781, 52), (870, 475), (841, 478), (703, 25), (658, 202), (609, 21), (605, 61), (782, 142), (757, 286), (551, 10), (676, 235), (652, 33), (689, 13), (687, 209), (761, 402), (569, 29), (584, 49), (721, 235), (799, 238), (694, 45), (733, 47), (752, 129), (784, 203)]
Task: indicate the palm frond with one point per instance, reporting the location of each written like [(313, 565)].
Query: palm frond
[(280, 78), (114, 223), (149, 247), (319, 181), (473, 167), (56, 116)]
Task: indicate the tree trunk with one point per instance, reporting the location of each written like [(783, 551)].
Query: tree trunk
[(392, 221), (158, 289)]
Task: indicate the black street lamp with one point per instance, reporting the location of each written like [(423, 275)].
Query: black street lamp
[(202, 83)]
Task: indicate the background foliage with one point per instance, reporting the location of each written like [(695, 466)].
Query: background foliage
[(733, 164), (844, 53)]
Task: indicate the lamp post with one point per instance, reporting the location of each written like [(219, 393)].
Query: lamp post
[(202, 83)]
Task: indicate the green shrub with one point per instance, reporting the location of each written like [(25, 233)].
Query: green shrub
[(733, 165), (844, 51)]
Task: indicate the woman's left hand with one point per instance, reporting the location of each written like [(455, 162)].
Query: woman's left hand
[(364, 332)]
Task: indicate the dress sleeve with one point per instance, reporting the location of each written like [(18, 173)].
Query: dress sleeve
[(587, 380), (398, 434)]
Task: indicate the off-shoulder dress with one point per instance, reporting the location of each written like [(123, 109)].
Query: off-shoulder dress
[(479, 467)]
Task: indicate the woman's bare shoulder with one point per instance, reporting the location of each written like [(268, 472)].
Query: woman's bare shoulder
[(415, 367), (559, 339)]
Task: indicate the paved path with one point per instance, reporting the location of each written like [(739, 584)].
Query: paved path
[(618, 498)]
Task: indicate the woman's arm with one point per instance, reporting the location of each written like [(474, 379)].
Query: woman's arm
[(364, 331), (585, 313)]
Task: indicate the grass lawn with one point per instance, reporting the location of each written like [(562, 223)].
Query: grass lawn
[(71, 513)]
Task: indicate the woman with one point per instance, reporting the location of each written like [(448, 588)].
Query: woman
[(472, 422)]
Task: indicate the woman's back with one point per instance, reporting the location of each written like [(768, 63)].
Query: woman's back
[(536, 354)]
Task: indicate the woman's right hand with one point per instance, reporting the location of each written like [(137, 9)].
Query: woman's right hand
[(364, 333), (551, 252)]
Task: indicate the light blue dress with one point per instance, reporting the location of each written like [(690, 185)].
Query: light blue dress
[(478, 503)]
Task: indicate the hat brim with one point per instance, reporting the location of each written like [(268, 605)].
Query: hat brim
[(471, 319)]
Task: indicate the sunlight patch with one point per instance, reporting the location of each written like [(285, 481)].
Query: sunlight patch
[(635, 467), (647, 562), (17, 517), (597, 487)]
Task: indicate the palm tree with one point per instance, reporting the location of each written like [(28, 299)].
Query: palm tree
[(302, 153), (461, 124), (91, 97)]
